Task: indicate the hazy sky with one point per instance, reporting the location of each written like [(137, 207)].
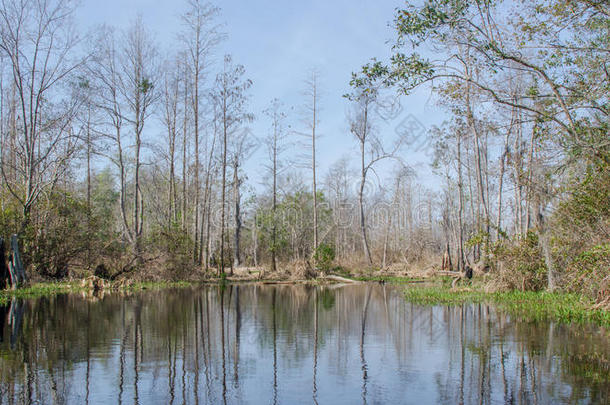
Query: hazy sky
[(278, 42)]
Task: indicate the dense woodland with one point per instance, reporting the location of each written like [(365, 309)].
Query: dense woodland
[(523, 161)]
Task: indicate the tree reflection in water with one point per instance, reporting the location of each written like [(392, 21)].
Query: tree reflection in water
[(290, 344)]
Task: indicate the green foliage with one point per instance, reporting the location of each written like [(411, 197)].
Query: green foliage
[(57, 235), (589, 271), (293, 225), (324, 256), (174, 247), (441, 296), (477, 239), (62, 231), (519, 264), (265, 221), (582, 229), (104, 200), (529, 305), (145, 86)]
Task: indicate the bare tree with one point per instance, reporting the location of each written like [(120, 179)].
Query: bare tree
[(371, 151), (37, 41), (200, 36), (171, 105), (205, 218), (230, 97), (312, 94), (139, 78), (275, 146), (241, 144), (105, 74), (185, 146), (125, 80)]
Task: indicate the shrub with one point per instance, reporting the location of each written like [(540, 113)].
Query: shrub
[(589, 272), (324, 257), (520, 264)]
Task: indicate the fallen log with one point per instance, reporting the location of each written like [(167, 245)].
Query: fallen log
[(466, 274), (341, 279)]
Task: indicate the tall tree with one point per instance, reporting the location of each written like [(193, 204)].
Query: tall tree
[(312, 94), (140, 75), (170, 117), (230, 97), (371, 151), (241, 144), (275, 142), (125, 80), (200, 36)]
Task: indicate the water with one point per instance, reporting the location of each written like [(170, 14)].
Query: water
[(283, 344)]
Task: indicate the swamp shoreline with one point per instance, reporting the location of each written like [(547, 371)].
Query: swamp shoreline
[(526, 305)]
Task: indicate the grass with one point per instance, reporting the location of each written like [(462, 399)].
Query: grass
[(54, 288), (40, 290), (529, 305)]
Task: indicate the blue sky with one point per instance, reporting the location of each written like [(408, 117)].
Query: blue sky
[(279, 42)]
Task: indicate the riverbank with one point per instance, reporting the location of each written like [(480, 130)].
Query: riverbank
[(47, 289), (91, 285), (527, 305)]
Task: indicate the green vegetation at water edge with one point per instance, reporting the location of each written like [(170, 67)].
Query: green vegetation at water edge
[(40, 290), (48, 289), (529, 305)]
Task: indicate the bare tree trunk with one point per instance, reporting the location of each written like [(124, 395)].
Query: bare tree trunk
[(274, 206), (197, 174), (229, 96), (275, 145), (171, 97), (313, 162), (473, 215), (207, 204), (184, 155), (365, 243), (237, 215), (171, 211), (224, 186), (386, 237), (530, 179), (199, 258), (199, 37), (208, 226), (517, 168), (500, 186), (123, 185), (478, 169), (255, 245), (88, 129), (460, 253), (89, 235), (205, 216)]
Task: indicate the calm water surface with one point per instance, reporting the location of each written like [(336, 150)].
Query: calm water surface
[(280, 344)]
